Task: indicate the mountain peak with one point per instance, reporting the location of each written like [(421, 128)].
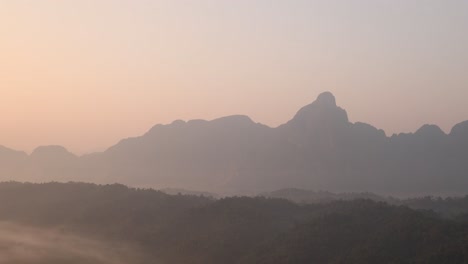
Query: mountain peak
[(319, 121), (430, 130), (324, 108), (52, 151), (239, 119), (460, 130), (326, 98)]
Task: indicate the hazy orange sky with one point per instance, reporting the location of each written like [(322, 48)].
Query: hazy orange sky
[(86, 73)]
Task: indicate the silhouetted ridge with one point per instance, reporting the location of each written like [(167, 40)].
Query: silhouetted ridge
[(327, 99), (430, 131), (231, 121), (51, 151), (459, 138), (4, 151), (322, 111), (234, 120), (367, 130), (321, 125), (178, 123), (10, 160), (318, 149), (460, 130)]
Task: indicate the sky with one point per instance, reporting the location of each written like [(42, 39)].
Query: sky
[(86, 73)]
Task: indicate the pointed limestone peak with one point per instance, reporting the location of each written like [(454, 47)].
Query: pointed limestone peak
[(322, 109), (326, 98)]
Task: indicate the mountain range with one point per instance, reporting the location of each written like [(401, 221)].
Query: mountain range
[(319, 149)]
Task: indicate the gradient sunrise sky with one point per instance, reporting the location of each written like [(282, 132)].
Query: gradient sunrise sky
[(86, 73)]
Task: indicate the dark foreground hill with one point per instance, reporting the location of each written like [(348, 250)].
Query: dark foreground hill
[(318, 149), (92, 223)]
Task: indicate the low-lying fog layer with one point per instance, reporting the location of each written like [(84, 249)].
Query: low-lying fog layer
[(21, 244)]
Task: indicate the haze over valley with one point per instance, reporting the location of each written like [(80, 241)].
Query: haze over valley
[(233, 132)]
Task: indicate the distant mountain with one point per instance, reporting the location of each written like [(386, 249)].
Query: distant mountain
[(318, 149), (12, 163)]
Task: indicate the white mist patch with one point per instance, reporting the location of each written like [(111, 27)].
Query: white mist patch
[(27, 245)]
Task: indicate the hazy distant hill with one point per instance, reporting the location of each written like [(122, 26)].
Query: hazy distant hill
[(448, 207), (318, 149), (302, 196)]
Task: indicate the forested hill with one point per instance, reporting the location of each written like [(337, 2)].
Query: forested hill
[(196, 229), (448, 207)]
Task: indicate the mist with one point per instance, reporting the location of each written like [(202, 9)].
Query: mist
[(22, 244)]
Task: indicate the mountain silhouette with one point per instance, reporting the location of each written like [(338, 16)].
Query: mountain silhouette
[(319, 148)]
